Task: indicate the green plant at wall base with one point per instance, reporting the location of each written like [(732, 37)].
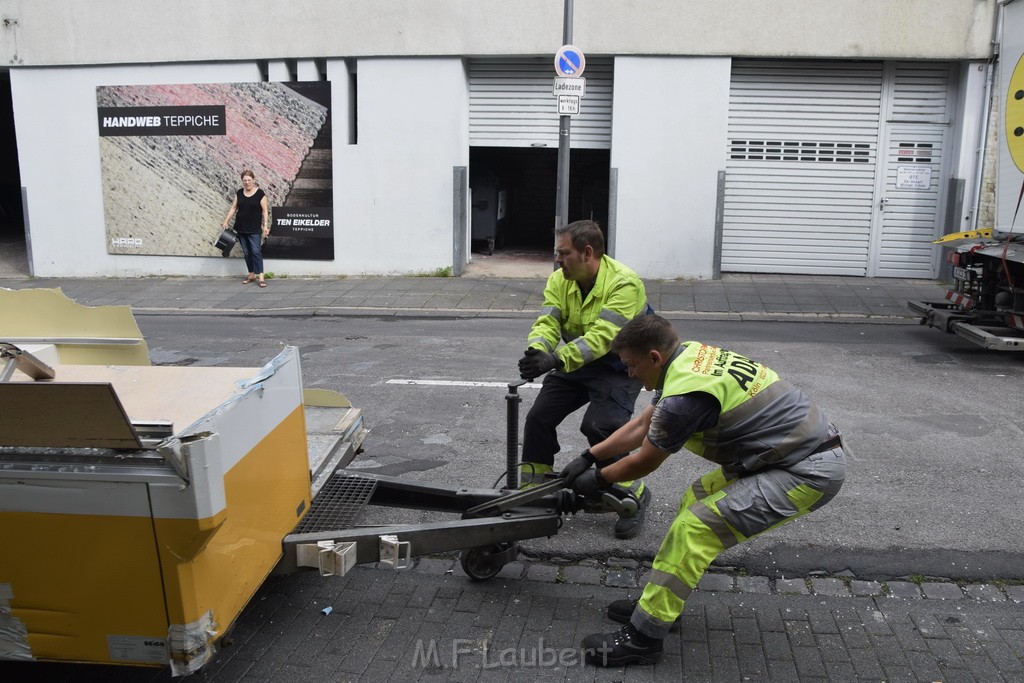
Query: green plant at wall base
[(440, 272)]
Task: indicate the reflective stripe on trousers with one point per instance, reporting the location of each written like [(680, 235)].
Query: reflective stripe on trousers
[(716, 513), (634, 487), (533, 474)]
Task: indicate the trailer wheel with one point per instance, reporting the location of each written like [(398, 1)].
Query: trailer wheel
[(485, 561)]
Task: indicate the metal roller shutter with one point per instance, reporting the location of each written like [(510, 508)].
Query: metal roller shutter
[(800, 170), (511, 104)]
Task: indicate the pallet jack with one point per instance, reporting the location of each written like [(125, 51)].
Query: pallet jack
[(492, 520)]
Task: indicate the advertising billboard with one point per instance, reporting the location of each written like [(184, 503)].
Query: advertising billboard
[(172, 155)]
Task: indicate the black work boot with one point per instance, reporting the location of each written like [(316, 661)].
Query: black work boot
[(625, 646), (628, 527), (622, 611)]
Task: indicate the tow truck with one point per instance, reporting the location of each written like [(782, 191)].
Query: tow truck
[(985, 302)]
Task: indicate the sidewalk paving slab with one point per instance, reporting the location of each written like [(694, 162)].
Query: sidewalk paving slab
[(737, 296)]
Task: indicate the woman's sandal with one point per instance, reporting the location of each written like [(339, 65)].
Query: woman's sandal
[(248, 280), (263, 283)]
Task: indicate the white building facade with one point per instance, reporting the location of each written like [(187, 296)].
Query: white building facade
[(768, 136)]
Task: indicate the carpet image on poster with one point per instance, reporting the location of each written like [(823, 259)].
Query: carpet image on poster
[(171, 156)]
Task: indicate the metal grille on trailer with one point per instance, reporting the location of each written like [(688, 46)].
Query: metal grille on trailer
[(338, 504)]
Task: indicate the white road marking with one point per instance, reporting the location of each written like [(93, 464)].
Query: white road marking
[(456, 383)]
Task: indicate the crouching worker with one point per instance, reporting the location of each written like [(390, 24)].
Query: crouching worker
[(779, 458)]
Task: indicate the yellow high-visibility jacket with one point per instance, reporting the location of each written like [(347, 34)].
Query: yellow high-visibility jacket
[(765, 420), (587, 326)]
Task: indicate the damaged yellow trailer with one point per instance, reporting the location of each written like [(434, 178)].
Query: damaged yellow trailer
[(141, 506)]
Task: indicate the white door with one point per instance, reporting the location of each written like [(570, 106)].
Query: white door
[(912, 172)]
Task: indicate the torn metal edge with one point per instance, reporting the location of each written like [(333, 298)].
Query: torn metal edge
[(13, 634), (191, 645), (246, 387)]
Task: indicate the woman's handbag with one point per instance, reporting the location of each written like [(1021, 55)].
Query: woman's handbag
[(226, 241)]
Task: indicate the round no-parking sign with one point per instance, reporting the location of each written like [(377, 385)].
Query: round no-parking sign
[(569, 61)]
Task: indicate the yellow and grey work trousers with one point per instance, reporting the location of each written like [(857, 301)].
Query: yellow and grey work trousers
[(716, 513)]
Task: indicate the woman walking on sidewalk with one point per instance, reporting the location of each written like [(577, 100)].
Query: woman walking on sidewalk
[(250, 204)]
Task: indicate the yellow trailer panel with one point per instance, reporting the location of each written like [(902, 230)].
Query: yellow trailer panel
[(146, 556)]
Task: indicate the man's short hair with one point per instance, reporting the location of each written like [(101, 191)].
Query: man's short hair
[(583, 234), (646, 332)]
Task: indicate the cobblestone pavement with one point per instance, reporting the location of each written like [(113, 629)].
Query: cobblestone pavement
[(433, 623)]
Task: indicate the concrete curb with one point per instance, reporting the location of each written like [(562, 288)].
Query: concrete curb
[(630, 574), (449, 313)]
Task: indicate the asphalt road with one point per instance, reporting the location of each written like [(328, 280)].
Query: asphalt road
[(934, 424)]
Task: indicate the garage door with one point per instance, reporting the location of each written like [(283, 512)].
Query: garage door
[(836, 168), (511, 104), (800, 169)]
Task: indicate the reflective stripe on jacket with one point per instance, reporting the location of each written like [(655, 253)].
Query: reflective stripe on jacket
[(765, 420), (587, 327)]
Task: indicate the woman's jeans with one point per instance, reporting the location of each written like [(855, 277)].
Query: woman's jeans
[(250, 243)]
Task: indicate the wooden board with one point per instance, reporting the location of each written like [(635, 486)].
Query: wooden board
[(43, 414), (180, 395)]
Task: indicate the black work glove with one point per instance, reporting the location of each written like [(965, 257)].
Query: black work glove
[(535, 363), (590, 483), (578, 466)]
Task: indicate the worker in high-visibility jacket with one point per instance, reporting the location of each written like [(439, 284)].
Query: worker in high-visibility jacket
[(586, 302), (779, 458)]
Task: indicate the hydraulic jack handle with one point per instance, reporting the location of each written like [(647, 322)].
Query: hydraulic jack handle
[(504, 503), (512, 400), (622, 505)]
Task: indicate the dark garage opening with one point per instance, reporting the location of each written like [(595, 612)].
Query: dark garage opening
[(13, 253), (527, 178)]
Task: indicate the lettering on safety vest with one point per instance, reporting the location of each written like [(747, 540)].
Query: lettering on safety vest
[(749, 375)]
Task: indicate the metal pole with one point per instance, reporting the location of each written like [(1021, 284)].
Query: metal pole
[(562, 183), (716, 263), (513, 399)]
